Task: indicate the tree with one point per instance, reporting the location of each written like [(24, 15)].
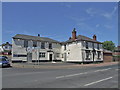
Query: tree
[(108, 45)]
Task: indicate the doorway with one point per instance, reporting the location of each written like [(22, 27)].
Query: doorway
[(50, 57), (29, 57), (65, 57)]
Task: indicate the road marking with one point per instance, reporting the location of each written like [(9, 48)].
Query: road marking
[(71, 75), (116, 69), (98, 81), (102, 70)]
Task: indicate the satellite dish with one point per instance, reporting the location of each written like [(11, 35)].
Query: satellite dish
[(29, 49)]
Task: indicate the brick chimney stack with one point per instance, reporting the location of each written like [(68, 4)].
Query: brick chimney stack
[(38, 35), (74, 34), (94, 37)]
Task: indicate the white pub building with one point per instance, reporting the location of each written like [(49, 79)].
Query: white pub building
[(26, 48)]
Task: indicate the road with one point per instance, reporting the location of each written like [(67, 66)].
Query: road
[(82, 77)]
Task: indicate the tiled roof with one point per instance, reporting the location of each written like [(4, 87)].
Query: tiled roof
[(82, 38), (6, 44), (36, 38)]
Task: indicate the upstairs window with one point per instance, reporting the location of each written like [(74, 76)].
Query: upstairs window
[(64, 47), (86, 45), (42, 45), (98, 46), (34, 43), (50, 45), (93, 45), (25, 43)]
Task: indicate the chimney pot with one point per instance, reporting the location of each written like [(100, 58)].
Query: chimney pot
[(74, 34), (38, 35), (94, 37)]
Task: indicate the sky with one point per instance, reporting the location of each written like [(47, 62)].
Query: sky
[(56, 20)]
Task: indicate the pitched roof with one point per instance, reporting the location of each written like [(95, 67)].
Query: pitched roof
[(36, 38), (7, 43), (82, 38)]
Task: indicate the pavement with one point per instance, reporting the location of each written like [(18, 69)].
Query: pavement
[(59, 65), (104, 75)]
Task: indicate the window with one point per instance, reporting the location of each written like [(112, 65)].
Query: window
[(93, 45), (5, 47), (42, 45), (64, 47), (34, 43), (88, 55), (99, 53), (19, 55), (98, 46), (86, 45), (57, 54), (41, 54), (25, 43), (50, 45), (62, 55)]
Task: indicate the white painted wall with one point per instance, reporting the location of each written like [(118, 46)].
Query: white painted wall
[(1, 49), (75, 51), (18, 48)]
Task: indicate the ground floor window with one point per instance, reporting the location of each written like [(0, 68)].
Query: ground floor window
[(99, 54), (62, 55), (88, 54), (57, 54), (42, 54), (19, 55)]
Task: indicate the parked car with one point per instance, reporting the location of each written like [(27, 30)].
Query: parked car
[(4, 62), (5, 57)]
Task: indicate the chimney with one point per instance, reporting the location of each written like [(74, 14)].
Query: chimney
[(69, 38), (94, 37), (74, 34), (38, 35)]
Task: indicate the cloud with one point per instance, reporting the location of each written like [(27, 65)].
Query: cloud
[(9, 31), (90, 11), (108, 26), (97, 25), (88, 28), (66, 5), (78, 19), (109, 15)]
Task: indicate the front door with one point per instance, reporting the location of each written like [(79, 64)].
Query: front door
[(50, 57), (65, 57), (29, 57)]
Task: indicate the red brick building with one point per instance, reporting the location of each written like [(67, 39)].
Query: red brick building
[(107, 56), (116, 54)]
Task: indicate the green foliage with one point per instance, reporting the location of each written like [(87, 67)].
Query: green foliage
[(108, 45)]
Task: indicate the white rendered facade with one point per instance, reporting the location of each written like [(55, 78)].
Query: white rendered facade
[(76, 49)]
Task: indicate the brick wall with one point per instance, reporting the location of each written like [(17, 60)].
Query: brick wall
[(107, 57)]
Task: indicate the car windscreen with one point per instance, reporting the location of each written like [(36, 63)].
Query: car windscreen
[(3, 59)]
